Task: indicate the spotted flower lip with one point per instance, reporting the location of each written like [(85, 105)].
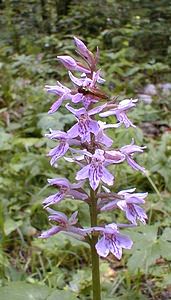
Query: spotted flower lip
[(85, 124), (66, 189), (71, 64), (112, 241), (95, 171), (58, 151)]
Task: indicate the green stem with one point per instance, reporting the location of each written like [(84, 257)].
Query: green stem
[(94, 255), (153, 185)]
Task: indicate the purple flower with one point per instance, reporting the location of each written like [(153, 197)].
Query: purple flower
[(83, 81), (112, 241), (59, 90), (120, 112), (85, 124), (114, 157), (95, 171), (71, 64), (86, 100), (128, 151), (64, 143), (66, 189), (87, 93), (64, 224), (129, 204), (101, 137)]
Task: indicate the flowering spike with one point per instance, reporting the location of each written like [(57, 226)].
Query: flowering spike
[(88, 145)]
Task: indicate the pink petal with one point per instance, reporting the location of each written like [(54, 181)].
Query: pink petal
[(134, 164), (78, 195), (83, 173), (107, 177), (56, 105), (53, 199), (73, 131), (102, 247), (94, 126), (77, 98), (124, 241), (59, 182), (48, 233), (95, 177), (58, 152)]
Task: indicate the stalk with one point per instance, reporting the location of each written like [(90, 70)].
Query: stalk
[(94, 255)]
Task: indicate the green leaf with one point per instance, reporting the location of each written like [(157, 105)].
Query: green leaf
[(53, 121), (26, 291), (62, 295), (5, 141), (137, 261), (165, 249), (21, 290), (166, 236), (167, 279), (131, 71), (146, 248), (27, 142), (11, 225)]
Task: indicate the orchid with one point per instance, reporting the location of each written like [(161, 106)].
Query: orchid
[(64, 143), (65, 189), (59, 90), (88, 145), (129, 202), (64, 224), (120, 112), (85, 125), (128, 151), (112, 241), (96, 171)]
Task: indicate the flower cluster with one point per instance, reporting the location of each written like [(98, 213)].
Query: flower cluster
[(87, 144)]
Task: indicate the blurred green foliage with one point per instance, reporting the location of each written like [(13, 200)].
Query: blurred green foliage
[(135, 50)]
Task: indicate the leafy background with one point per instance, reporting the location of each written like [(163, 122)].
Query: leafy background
[(135, 50)]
